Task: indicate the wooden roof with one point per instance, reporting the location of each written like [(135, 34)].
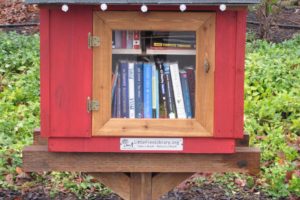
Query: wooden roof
[(198, 2)]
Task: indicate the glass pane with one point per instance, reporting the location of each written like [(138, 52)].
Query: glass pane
[(153, 74)]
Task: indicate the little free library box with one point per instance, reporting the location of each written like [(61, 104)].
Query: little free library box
[(142, 76), (142, 94)]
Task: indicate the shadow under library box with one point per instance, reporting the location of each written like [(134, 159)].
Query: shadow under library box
[(153, 75)]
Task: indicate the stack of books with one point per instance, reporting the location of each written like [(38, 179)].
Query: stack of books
[(153, 90), (126, 40)]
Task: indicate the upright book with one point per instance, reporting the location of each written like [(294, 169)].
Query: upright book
[(162, 91), (154, 105), (147, 90), (131, 98), (177, 90), (124, 89), (138, 87), (186, 93), (191, 82), (171, 110)]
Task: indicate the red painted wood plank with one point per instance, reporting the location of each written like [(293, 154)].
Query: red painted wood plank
[(112, 144), (239, 79), (70, 72), (45, 71), (225, 74)]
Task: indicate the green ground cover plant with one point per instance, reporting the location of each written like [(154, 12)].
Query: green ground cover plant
[(272, 118)]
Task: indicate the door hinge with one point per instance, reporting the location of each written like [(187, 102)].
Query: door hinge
[(93, 41), (92, 105)]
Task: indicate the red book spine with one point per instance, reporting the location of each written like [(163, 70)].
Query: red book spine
[(136, 40), (124, 39)]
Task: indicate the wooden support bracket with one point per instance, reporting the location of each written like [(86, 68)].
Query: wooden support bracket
[(139, 176)]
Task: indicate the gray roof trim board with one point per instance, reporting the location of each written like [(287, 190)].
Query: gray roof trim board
[(197, 2)]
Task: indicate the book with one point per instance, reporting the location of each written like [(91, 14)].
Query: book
[(114, 79), (186, 93), (147, 73), (124, 88), (129, 40), (131, 98), (177, 90), (118, 39), (124, 39), (136, 40), (157, 92), (118, 97), (173, 45), (138, 86), (191, 82), (114, 102), (162, 92), (154, 90), (169, 92)]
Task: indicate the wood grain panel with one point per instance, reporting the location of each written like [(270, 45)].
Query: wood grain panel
[(154, 20), (117, 182), (38, 159), (205, 77), (152, 127)]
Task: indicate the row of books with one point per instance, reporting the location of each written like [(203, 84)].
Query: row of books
[(126, 40), (153, 90)]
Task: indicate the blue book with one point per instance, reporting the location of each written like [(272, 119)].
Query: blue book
[(157, 92), (147, 90), (138, 86), (186, 94), (124, 89), (118, 97), (114, 101)]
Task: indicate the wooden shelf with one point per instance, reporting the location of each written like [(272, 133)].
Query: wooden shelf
[(126, 51), (154, 52), (171, 51)]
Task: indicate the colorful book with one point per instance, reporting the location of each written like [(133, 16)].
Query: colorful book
[(154, 91), (177, 91), (136, 40), (118, 39), (138, 86), (191, 81), (124, 89), (124, 39), (171, 110), (131, 98), (162, 92), (186, 93), (129, 40), (147, 90)]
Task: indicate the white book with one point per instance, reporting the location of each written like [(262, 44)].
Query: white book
[(154, 90), (177, 90), (131, 100)]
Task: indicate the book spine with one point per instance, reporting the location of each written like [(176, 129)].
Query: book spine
[(157, 92), (147, 90), (114, 102), (169, 92), (124, 89), (131, 99), (177, 90), (136, 40), (124, 39), (129, 40), (118, 97), (191, 81), (114, 79), (186, 93), (113, 43), (153, 91), (138, 80), (118, 39), (162, 92)]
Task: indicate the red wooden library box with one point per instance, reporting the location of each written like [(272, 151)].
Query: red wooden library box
[(124, 76)]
